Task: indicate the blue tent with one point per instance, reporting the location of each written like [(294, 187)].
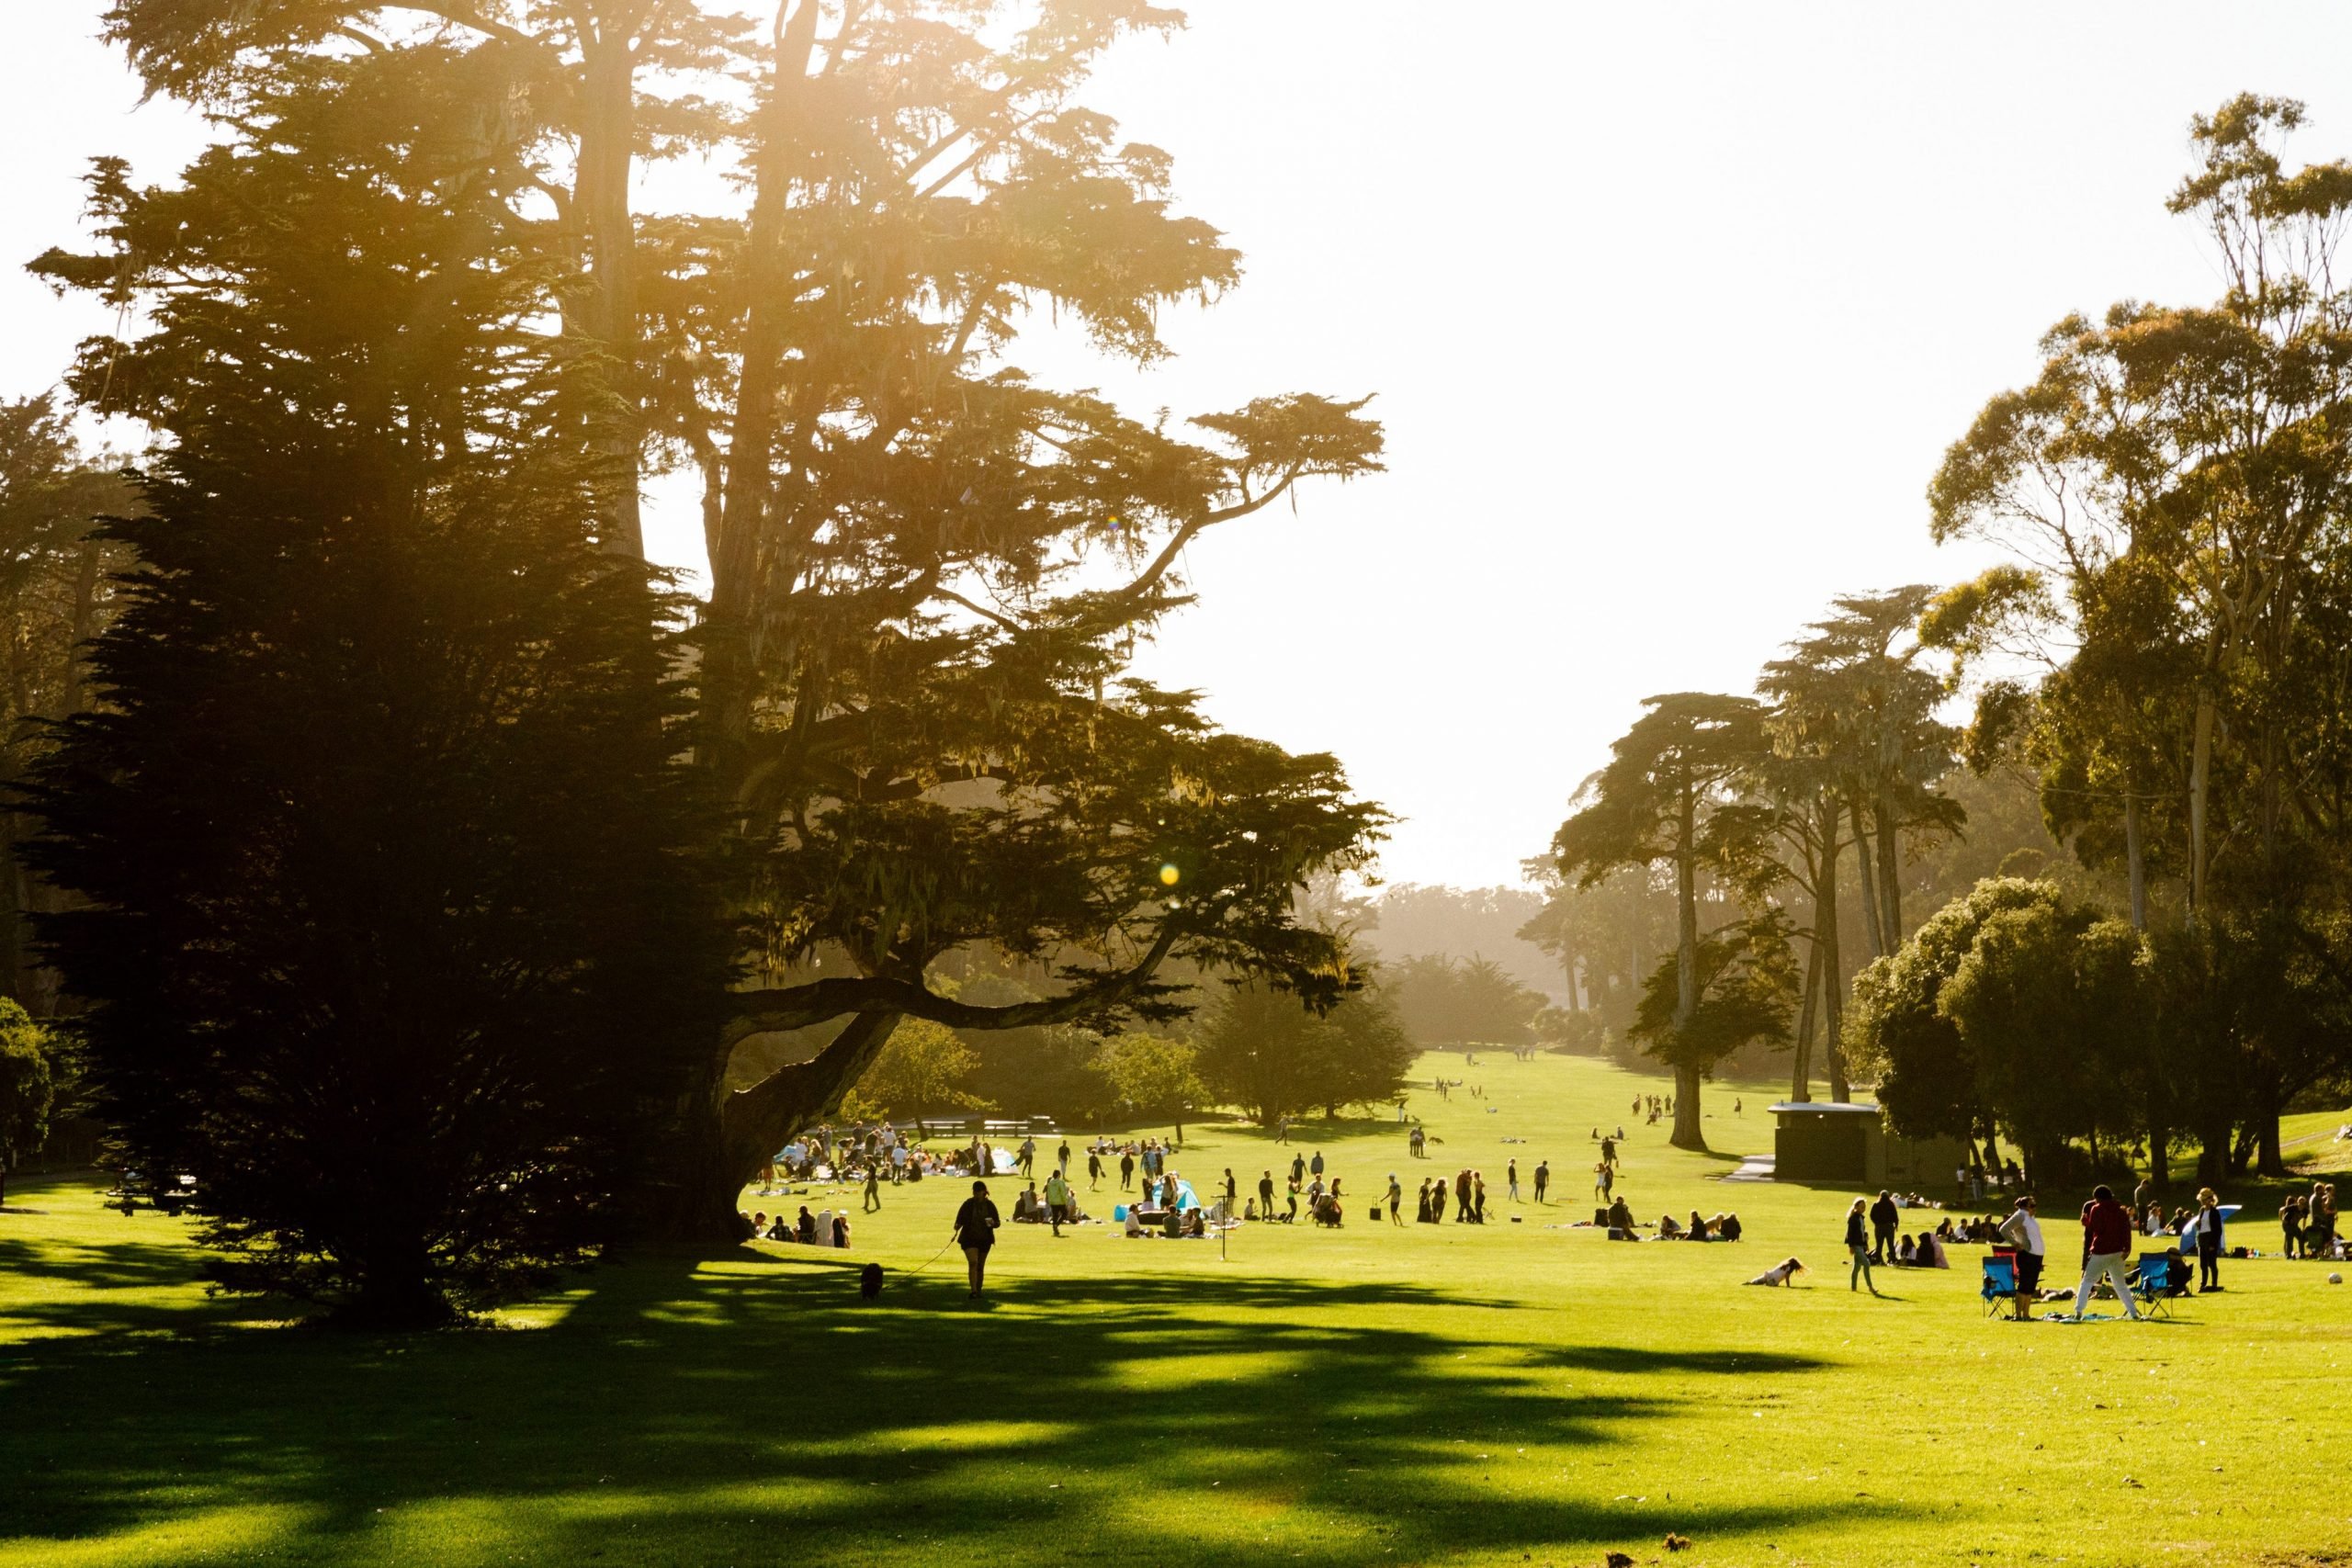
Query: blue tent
[(2189, 1231)]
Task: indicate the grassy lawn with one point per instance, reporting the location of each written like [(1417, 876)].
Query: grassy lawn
[(1515, 1394)]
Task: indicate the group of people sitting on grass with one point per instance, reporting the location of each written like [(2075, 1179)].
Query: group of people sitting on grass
[(828, 1229), (1723, 1227), (871, 1150), (1622, 1226)]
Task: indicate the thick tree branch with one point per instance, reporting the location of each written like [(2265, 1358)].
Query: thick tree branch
[(1149, 577), (820, 1002), (467, 16)]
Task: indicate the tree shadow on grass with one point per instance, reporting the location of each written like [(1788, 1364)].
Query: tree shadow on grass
[(753, 1405)]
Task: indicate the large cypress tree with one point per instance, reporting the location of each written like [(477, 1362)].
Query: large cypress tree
[(390, 927)]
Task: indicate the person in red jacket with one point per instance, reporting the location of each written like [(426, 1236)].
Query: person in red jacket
[(2106, 1240)]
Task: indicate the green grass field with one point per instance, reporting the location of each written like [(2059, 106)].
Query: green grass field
[(1516, 1393)]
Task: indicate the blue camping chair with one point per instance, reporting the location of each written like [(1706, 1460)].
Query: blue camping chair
[(2157, 1280), (2000, 1281)]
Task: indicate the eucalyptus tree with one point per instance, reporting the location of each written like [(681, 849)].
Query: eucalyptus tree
[(927, 570), (2198, 445), (1667, 777)]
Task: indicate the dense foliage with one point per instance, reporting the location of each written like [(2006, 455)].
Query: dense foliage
[(388, 918), (1259, 1052), (27, 1087), (928, 570)]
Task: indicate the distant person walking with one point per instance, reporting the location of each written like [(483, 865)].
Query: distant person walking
[(1057, 1201), (1127, 1171), (873, 1186), (1510, 1178), (2107, 1242), (1315, 1165), (2209, 1241), (1395, 1200), (1093, 1170), (976, 1224), (2022, 1231), (1858, 1246), (1028, 1157)]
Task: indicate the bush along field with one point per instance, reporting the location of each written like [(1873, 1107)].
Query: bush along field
[(1521, 1391)]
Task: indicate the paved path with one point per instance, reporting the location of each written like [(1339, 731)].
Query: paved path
[(1752, 1168)]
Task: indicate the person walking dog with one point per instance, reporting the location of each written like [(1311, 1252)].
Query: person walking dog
[(976, 1224)]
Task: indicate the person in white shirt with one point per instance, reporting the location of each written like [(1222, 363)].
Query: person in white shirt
[(2022, 1231)]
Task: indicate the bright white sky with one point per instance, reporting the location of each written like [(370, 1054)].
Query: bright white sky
[(1671, 310)]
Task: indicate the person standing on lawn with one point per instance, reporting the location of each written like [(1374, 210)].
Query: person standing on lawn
[(2106, 1243), (1885, 1218), (2209, 1241), (1266, 1194), (1126, 1170), (1543, 1178), (976, 1224), (1395, 1200), (2023, 1231), (873, 1186), (1057, 1201), (1858, 1246), (1510, 1177)]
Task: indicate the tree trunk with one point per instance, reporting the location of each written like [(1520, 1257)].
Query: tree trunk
[(2213, 1152), (1686, 1132), (1870, 922), (2200, 775), (601, 191), (1833, 982), (2270, 1159), (729, 1137), (1890, 875), (2135, 861), (729, 654), (1801, 1074)]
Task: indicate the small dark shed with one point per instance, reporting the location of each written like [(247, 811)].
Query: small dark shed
[(1823, 1142), (1818, 1141)]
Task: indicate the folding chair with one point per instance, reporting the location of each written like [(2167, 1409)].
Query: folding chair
[(2000, 1279), (2155, 1283)]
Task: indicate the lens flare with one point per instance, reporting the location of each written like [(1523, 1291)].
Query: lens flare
[(1169, 875)]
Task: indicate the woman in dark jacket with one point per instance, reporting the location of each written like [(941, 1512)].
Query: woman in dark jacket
[(2209, 1240), (976, 1224), (1858, 1243)]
